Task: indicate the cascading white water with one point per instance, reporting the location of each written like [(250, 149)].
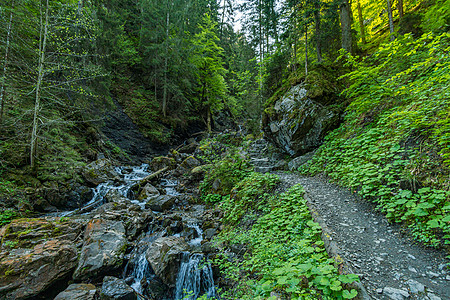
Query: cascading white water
[(198, 240), (169, 186), (141, 270), (129, 179), (195, 278)]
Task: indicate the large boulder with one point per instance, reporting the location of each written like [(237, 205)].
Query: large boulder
[(78, 196), (147, 192), (100, 171), (190, 147), (103, 249), (114, 195), (300, 161), (81, 291), (35, 254), (161, 162), (164, 256), (189, 163), (161, 203), (135, 219), (298, 123), (186, 166), (116, 289)]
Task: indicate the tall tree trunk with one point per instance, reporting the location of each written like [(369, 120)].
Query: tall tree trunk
[(261, 56), (275, 29), (361, 24), (223, 17), (306, 49), (346, 25), (208, 122), (318, 31), (5, 66), (37, 103), (391, 20), (400, 8), (295, 54), (166, 62)]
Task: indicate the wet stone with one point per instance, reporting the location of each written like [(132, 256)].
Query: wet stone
[(415, 287), (116, 289), (80, 291), (395, 294)]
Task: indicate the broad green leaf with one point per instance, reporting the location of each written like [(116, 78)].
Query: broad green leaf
[(349, 295)]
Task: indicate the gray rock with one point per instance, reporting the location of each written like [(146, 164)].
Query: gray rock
[(100, 171), (44, 253), (395, 294), (161, 162), (189, 163), (280, 165), (415, 287), (114, 195), (164, 256), (189, 148), (116, 289), (432, 274), (134, 218), (103, 249), (216, 184), (161, 203), (433, 297), (298, 124), (148, 191), (208, 247), (79, 291), (209, 233), (79, 196), (301, 160)]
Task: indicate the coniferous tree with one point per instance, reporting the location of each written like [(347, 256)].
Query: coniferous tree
[(207, 57), (346, 25)]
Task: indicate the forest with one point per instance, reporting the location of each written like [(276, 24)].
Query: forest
[(211, 96), (173, 66)]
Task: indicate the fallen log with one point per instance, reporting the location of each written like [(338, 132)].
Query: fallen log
[(152, 176)]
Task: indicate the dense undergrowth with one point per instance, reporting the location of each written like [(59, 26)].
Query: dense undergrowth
[(269, 244), (394, 145)]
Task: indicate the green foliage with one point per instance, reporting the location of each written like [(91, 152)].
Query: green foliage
[(284, 251), (437, 17), (248, 196), (207, 58), (393, 148), (225, 174), (214, 198), (211, 150), (7, 216)]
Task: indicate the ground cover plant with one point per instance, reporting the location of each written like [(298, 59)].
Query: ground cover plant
[(393, 147), (280, 246)]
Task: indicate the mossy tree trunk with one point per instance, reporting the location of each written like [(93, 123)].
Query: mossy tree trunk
[(5, 65), (318, 31), (37, 103), (346, 25), (391, 20)]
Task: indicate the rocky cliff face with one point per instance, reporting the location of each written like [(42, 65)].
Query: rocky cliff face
[(297, 122)]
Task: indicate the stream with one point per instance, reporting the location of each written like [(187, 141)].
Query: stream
[(194, 277)]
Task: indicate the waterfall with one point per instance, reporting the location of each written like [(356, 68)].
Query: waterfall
[(198, 240), (194, 278), (141, 271)]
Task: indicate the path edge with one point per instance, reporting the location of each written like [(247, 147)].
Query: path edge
[(333, 250)]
